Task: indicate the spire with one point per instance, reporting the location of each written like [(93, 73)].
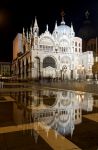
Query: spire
[(35, 28), (35, 23), (23, 31), (47, 31), (72, 30), (27, 35), (23, 35), (31, 30), (47, 27), (62, 15), (71, 25), (56, 25)]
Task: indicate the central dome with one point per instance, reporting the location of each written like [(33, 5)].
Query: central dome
[(63, 29)]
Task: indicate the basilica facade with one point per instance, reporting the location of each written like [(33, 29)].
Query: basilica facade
[(57, 55)]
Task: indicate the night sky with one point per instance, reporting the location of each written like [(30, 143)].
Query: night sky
[(14, 16)]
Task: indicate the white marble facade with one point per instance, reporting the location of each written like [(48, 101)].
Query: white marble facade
[(57, 55)]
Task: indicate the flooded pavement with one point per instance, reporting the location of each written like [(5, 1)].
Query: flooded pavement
[(48, 119)]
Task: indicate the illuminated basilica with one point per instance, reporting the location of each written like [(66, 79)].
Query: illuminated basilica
[(57, 55)]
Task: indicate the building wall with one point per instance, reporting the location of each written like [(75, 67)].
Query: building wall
[(17, 45)]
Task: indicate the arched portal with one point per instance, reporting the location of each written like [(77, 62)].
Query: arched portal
[(49, 67), (49, 61)]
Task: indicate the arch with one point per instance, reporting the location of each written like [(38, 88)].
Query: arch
[(46, 41), (51, 100), (66, 60), (49, 61), (64, 43)]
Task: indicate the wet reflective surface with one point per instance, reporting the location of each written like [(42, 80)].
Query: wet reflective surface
[(35, 119)]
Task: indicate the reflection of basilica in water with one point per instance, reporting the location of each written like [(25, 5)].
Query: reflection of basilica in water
[(58, 110)]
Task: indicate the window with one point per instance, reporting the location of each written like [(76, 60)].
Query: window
[(75, 43)]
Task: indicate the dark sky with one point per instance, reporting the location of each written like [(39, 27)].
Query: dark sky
[(14, 16)]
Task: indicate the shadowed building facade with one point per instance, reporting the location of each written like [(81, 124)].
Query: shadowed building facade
[(88, 33)]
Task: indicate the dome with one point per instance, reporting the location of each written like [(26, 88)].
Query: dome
[(87, 30), (62, 29)]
